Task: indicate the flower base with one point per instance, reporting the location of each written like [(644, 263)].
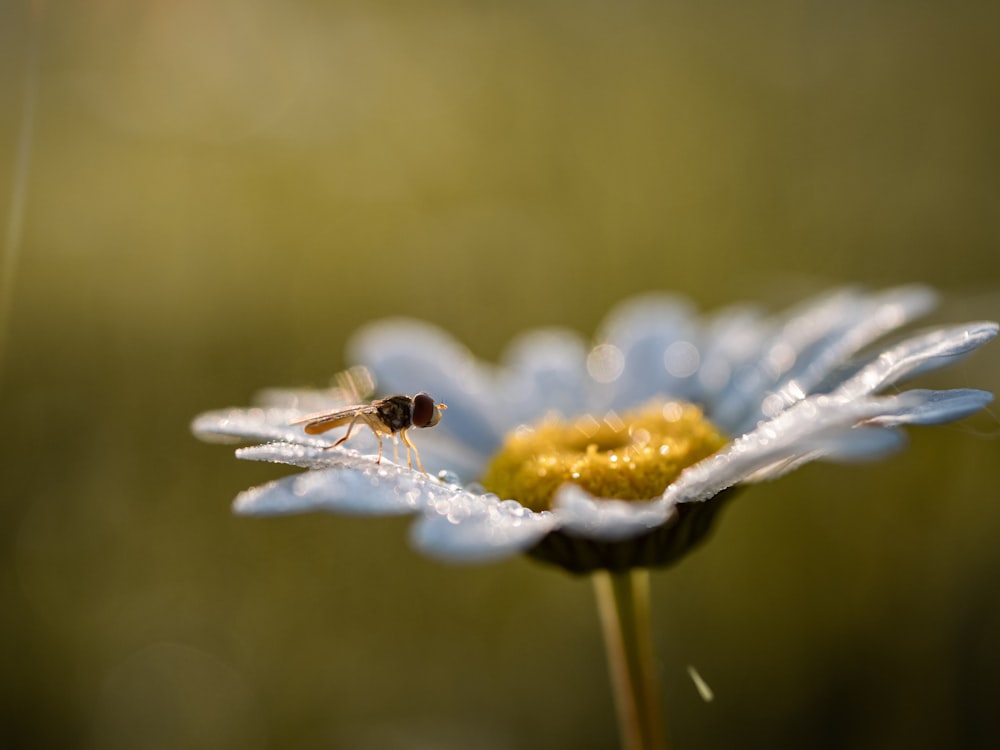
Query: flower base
[(657, 548)]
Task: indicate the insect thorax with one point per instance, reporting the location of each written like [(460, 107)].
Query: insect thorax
[(396, 412)]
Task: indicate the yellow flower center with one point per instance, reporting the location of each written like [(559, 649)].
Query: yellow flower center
[(634, 456)]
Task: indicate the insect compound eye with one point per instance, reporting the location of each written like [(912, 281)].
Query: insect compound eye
[(424, 411)]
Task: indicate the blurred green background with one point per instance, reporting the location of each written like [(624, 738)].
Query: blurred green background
[(219, 193)]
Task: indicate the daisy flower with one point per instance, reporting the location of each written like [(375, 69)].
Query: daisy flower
[(613, 456)]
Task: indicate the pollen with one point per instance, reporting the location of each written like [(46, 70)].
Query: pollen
[(631, 456)]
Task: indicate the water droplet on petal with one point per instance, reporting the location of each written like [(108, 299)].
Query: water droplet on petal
[(448, 477)]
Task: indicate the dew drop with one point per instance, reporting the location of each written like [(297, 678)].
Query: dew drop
[(448, 477)]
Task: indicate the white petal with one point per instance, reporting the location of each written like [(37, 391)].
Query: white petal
[(356, 485), (609, 520), (436, 456), (469, 528), (456, 524), (855, 443), (545, 371), (795, 331), (442, 451), (305, 456), (937, 348), (805, 432), (407, 356), (845, 444), (643, 329), (934, 407), (808, 344), (871, 319), (733, 338), (252, 425)]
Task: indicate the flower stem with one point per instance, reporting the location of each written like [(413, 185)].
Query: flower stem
[(623, 604)]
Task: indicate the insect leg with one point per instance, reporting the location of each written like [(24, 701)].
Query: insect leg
[(346, 435), (374, 426), (410, 446)]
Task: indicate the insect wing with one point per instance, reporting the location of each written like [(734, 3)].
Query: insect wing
[(321, 421)]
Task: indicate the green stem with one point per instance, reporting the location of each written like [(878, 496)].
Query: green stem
[(623, 604)]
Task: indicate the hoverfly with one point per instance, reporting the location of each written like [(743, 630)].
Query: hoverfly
[(391, 415)]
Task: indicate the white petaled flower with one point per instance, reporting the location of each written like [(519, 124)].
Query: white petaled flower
[(616, 453)]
